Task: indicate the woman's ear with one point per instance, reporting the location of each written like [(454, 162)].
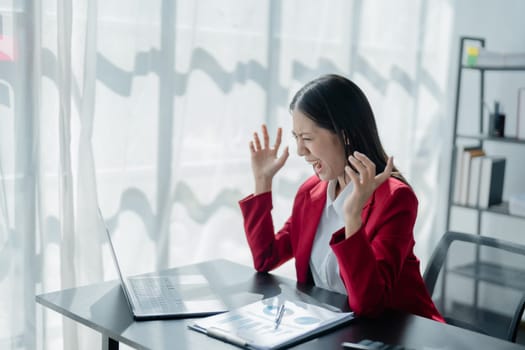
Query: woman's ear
[(346, 139), (346, 143), (348, 148)]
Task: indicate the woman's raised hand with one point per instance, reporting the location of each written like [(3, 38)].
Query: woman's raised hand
[(265, 162), (365, 181)]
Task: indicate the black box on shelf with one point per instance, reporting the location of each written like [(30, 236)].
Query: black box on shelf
[(491, 181)]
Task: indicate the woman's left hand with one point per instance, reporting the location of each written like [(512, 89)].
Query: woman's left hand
[(365, 182)]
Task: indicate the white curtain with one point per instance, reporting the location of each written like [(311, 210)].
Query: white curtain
[(145, 109)]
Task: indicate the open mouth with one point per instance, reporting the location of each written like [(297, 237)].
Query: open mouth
[(316, 164)]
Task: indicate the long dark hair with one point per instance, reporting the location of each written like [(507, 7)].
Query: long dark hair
[(337, 104)]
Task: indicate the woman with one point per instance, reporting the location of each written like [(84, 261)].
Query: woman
[(351, 227)]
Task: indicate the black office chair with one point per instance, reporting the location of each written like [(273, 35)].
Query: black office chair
[(478, 282)]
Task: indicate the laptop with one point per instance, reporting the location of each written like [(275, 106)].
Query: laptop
[(170, 294)]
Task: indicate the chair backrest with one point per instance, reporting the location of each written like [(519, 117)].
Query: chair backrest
[(478, 282)]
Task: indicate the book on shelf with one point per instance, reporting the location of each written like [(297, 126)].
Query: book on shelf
[(466, 161), (492, 177), (458, 176), (258, 325), (520, 115), (474, 181)]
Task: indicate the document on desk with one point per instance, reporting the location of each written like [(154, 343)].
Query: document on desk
[(270, 323)]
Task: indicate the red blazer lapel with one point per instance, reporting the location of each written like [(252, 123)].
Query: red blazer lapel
[(309, 218)]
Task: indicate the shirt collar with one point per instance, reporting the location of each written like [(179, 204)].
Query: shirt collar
[(337, 204)]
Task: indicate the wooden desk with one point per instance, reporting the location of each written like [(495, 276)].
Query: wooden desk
[(103, 308)]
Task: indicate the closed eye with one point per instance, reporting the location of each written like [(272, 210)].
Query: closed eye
[(303, 137)]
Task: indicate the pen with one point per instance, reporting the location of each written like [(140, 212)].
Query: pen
[(279, 315)]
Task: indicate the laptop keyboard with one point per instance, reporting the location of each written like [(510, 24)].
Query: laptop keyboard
[(156, 294)]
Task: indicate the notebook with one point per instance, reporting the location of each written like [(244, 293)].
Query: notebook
[(170, 294)]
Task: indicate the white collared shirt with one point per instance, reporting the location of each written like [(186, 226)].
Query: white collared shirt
[(323, 263)]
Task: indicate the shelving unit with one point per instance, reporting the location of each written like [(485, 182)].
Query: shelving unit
[(479, 135), (479, 271)]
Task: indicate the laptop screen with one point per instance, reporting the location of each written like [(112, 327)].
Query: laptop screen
[(166, 294)]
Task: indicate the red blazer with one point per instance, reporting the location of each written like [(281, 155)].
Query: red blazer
[(377, 264)]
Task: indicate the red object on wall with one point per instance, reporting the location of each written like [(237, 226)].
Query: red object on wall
[(7, 48)]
